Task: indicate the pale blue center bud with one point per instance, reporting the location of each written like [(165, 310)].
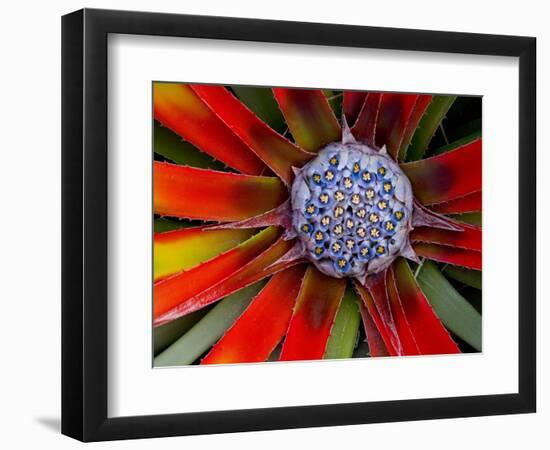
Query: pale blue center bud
[(352, 210)]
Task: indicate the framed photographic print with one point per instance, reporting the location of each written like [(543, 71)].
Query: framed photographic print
[(274, 224)]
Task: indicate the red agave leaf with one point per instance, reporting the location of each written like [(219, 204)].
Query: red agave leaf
[(387, 330), (448, 176), (469, 238), (352, 104), (177, 107), (393, 117), (374, 338), (410, 346), (176, 289), (365, 126), (276, 151), (308, 116), (262, 326), (450, 255), (429, 333), (468, 203), (377, 287), (316, 307), (198, 296), (418, 111), (182, 191)]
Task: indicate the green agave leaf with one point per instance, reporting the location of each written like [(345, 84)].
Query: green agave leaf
[(335, 101), (455, 311), (263, 103), (343, 335), (165, 335), (458, 143), (473, 218), (467, 276), (172, 147), (208, 330), (428, 125)]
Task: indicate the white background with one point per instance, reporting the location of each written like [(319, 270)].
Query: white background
[(135, 389), (30, 193)]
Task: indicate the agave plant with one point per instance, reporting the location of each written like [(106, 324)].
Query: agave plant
[(287, 218)]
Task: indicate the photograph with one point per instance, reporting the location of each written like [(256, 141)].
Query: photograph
[(314, 223)]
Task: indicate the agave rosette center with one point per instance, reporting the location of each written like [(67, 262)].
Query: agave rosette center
[(351, 210)]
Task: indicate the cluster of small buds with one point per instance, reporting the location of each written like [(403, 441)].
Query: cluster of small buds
[(351, 210)]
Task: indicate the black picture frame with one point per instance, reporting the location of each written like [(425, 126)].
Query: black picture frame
[(84, 224)]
